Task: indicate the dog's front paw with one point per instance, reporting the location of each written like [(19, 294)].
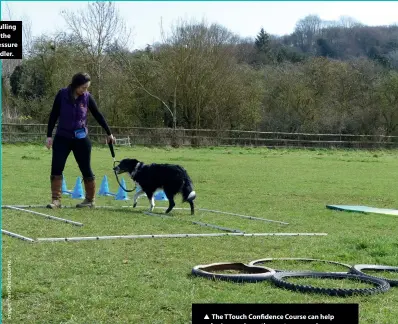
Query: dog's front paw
[(135, 205)]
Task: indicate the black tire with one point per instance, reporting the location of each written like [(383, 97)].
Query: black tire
[(357, 269), (260, 261), (254, 274), (381, 285)]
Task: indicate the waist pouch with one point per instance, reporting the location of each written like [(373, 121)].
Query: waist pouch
[(80, 133)]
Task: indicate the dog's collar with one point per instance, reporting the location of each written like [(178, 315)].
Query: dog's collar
[(132, 174)]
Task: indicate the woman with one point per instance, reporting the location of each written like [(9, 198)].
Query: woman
[(71, 105)]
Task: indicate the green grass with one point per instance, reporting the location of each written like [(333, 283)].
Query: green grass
[(149, 280)]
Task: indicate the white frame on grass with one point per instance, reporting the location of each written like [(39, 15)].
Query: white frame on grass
[(177, 208), (18, 236), (62, 207), (243, 216), (44, 215), (226, 229), (95, 238), (220, 212)]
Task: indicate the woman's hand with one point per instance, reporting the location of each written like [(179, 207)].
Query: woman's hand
[(49, 142), (111, 139)]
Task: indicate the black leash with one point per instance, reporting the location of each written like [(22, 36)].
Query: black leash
[(114, 164)]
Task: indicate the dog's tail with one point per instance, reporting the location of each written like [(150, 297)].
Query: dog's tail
[(188, 193)]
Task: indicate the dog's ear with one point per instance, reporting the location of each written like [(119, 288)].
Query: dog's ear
[(135, 161), (125, 163), (132, 163)]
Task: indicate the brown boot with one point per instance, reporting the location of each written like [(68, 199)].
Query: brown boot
[(56, 191), (89, 186)]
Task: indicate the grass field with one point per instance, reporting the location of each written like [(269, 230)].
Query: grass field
[(149, 280)]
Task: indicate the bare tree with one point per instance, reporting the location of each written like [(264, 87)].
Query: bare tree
[(96, 29), (197, 61), (27, 39), (27, 36), (188, 72), (136, 79), (174, 52), (306, 30), (348, 22), (8, 66)]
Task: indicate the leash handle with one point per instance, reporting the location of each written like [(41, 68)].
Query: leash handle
[(111, 148)]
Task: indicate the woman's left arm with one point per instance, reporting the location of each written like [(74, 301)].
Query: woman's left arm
[(92, 106)]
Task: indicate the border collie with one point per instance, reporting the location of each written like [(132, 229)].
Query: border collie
[(173, 179)]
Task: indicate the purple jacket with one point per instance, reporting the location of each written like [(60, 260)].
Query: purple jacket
[(73, 113)]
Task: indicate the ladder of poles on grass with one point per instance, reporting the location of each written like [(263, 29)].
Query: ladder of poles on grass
[(231, 232)]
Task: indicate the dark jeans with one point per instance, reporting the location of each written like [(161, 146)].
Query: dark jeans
[(81, 149)]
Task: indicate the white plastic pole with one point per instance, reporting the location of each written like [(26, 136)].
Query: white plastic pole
[(87, 238), (226, 229), (46, 216), (44, 206), (243, 216), (24, 238), (23, 206), (198, 223), (221, 212), (177, 208)]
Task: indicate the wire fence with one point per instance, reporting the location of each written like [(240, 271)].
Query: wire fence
[(36, 133)]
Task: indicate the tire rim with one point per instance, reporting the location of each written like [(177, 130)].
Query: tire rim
[(261, 261), (253, 273), (357, 269), (381, 285)]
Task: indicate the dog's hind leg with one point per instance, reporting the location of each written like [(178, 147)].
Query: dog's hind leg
[(192, 207), (188, 195), (151, 198), (152, 203), (170, 197)]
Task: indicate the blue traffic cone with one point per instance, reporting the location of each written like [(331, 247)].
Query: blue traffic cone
[(160, 195), (78, 190), (121, 194), (65, 188), (104, 189)]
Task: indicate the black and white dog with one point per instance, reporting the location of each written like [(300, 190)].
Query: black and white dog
[(173, 179)]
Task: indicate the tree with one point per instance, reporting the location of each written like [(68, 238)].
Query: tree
[(307, 29), (96, 29), (262, 45), (348, 22), (9, 66), (262, 41), (325, 49)]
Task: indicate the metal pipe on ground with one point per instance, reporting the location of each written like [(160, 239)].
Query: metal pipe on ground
[(44, 206), (177, 208), (226, 229), (243, 216), (221, 212), (87, 238), (24, 238), (45, 215)]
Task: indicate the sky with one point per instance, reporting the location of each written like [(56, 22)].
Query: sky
[(245, 18)]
